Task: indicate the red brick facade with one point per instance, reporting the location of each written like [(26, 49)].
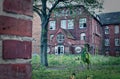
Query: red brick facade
[(111, 49), (72, 39), (95, 33)]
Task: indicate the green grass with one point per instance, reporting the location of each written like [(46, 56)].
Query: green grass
[(62, 66)]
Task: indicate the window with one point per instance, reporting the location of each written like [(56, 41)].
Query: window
[(59, 49), (82, 23), (51, 37), (70, 24), (67, 24), (106, 30), (63, 24), (48, 49), (116, 29), (117, 42), (82, 36), (60, 38), (107, 42), (52, 25)]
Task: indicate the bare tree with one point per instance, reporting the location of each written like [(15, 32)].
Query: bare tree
[(42, 9)]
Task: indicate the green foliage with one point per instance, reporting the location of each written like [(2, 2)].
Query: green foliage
[(35, 61), (62, 66)]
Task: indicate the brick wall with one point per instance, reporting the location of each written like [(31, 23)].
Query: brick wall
[(111, 36), (36, 32), (15, 39)]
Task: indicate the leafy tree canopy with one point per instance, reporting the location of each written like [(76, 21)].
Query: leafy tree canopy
[(91, 5)]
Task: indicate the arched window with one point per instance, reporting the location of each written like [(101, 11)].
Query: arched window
[(82, 36), (51, 37)]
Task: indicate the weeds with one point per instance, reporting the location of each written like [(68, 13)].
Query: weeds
[(62, 66)]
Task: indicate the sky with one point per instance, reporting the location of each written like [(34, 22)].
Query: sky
[(111, 6)]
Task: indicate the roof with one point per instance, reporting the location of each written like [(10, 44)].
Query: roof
[(110, 18), (68, 34)]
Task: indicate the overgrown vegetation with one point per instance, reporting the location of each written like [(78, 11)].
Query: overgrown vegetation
[(62, 66)]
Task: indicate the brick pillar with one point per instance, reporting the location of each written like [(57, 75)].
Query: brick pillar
[(15, 39)]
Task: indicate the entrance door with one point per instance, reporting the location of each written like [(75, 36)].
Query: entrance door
[(59, 49)]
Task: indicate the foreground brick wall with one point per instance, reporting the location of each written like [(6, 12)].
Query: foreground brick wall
[(15, 39)]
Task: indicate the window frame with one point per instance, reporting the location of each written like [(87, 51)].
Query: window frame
[(70, 24), (107, 42), (51, 37), (116, 29), (83, 36), (117, 42), (52, 25), (65, 24), (60, 38), (107, 30), (82, 23)]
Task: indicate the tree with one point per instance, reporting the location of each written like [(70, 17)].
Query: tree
[(41, 8)]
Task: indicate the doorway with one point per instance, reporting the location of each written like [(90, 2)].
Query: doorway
[(59, 49)]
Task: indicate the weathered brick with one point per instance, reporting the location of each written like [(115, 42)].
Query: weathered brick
[(18, 6), (16, 49), (15, 71), (13, 26)]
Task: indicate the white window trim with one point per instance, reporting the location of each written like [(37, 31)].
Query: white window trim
[(60, 38), (65, 24), (107, 29), (52, 24), (81, 22), (117, 29), (117, 42), (82, 35), (107, 42), (56, 49), (51, 37), (70, 24)]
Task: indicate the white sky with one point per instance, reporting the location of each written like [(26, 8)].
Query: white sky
[(111, 6)]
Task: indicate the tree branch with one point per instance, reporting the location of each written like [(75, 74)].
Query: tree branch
[(54, 5), (37, 10), (44, 7)]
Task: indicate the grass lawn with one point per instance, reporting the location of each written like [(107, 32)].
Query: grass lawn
[(62, 66)]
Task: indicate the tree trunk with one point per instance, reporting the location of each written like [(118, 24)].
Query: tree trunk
[(44, 60), (44, 30)]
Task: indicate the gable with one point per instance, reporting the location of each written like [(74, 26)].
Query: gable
[(65, 32)]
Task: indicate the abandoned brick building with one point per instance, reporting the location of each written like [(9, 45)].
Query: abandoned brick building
[(111, 33), (70, 29)]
